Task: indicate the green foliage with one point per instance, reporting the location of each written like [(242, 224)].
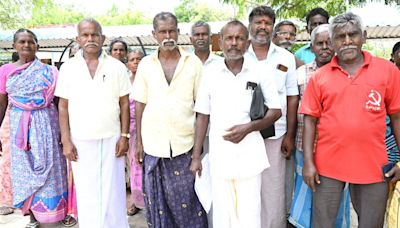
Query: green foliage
[(293, 8), (46, 12), (127, 17), (192, 11), (378, 49), (242, 5), (12, 13)]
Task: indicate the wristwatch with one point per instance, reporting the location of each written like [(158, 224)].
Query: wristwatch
[(126, 135)]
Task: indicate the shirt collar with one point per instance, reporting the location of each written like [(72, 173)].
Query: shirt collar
[(211, 58), (367, 60), (248, 64), (183, 53), (272, 49), (103, 55)]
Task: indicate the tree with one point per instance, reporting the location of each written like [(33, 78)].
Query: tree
[(192, 11), (299, 8), (46, 12), (12, 11), (115, 16), (34, 13)]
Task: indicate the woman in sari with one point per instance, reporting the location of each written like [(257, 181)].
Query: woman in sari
[(135, 169), (38, 167), (118, 49), (5, 155)]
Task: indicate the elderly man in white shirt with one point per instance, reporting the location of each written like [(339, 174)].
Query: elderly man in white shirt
[(237, 152), (201, 38), (94, 119)]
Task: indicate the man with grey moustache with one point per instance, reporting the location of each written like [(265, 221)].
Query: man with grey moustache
[(284, 36), (94, 120), (366, 88), (201, 38), (165, 89)]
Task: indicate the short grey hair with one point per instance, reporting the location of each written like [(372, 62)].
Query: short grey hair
[(282, 23), (234, 22), (343, 19), (319, 29), (201, 24), (137, 50), (92, 21), (163, 16)]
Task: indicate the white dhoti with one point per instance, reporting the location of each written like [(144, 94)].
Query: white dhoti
[(100, 184), (237, 202)]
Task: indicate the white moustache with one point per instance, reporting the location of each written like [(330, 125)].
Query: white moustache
[(287, 42), (200, 42), (348, 47), (164, 42), (89, 44)]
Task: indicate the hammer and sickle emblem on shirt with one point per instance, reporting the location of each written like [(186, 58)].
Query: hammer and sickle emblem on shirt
[(374, 98)]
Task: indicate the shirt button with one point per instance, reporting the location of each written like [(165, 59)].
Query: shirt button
[(176, 173), (184, 205)]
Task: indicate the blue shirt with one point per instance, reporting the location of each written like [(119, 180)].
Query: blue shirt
[(305, 54)]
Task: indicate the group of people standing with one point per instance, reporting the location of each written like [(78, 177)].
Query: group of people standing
[(158, 118)]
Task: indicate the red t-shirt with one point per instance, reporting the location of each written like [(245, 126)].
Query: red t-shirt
[(351, 111)]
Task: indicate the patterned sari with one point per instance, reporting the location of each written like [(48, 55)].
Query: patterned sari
[(135, 168), (38, 167)]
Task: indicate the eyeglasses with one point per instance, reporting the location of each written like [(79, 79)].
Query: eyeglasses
[(291, 34)]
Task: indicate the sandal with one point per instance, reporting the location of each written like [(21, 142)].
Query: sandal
[(6, 210), (32, 225), (133, 210), (69, 221)]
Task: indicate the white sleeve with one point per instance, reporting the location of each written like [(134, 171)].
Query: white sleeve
[(63, 85), (202, 104), (291, 79)]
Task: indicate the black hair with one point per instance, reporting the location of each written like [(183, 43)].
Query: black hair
[(396, 47), (201, 24), (164, 16), (317, 11), (262, 11), (22, 30), (14, 57), (234, 22), (114, 41), (282, 23)]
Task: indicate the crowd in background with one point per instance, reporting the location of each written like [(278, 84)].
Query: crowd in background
[(74, 140)]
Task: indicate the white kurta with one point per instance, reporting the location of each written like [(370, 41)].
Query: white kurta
[(235, 169)]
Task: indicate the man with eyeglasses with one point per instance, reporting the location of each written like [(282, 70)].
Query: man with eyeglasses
[(284, 36)]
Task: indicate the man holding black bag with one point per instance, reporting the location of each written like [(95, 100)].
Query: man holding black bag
[(277, 64), (237, 153)]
